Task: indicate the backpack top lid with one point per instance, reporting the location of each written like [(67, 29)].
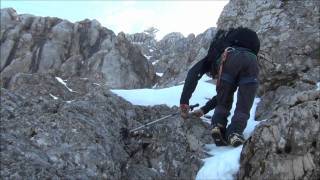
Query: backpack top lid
[(244, 37)]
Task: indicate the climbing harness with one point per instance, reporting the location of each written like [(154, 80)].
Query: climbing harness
[(223, 60)]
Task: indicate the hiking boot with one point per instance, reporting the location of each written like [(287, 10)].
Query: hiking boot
[(218, 135), (236, 139)]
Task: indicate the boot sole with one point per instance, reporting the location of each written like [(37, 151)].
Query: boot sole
[(237, 143), (217, 137)]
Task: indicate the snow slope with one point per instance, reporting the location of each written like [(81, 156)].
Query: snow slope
[(224, 162)]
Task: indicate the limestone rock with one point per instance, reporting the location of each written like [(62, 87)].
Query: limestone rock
[(174, 54), (286, 146), (32, 44)]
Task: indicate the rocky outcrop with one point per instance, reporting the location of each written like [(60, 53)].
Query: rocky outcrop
[(71, 129), (32, 44), (146, 42), (180, 54), (285, 145), (174, 54)]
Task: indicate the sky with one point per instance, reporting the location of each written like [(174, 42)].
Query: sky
[(187, 17)]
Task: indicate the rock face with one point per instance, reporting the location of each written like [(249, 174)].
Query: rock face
[(174, 54), (285, 145), (32, 44), (146, 42), (72, 131)]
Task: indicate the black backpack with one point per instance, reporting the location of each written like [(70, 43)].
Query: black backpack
[(241, 37)]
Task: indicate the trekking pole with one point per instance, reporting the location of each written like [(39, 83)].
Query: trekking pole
[(157, 120), (140, 127)]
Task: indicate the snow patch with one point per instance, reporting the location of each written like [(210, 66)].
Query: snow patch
[(169, 96), (148, 57), (155, 86), (318, 86), (54, 97), (64, 83), (160, 167), (225, 161), (159, 74), (155, 62), (222, 165)]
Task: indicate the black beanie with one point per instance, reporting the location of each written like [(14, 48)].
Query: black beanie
[(244, 37)]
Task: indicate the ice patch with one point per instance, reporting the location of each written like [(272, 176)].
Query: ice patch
[(318, 86)]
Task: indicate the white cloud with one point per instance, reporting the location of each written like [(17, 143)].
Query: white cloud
[(131, 16), (130, 20), (191, 17), (168, 16)]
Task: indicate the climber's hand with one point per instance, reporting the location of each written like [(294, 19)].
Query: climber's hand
[(184, 111)]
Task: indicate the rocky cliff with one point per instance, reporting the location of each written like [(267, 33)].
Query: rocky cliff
[(32, 44), (286, 144), (174, 54)]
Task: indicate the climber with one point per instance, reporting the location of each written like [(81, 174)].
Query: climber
[(232, 58)]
